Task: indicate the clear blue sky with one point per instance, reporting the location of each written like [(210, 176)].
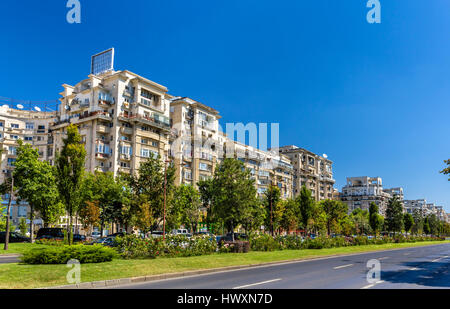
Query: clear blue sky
[(375, 98)]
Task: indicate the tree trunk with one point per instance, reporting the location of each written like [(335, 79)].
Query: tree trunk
[(31, 225), (8, 215)]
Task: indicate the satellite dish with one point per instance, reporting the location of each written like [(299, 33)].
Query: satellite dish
[(36, 108), (67, 107), (325, 156), (19, 106), (5, 106)]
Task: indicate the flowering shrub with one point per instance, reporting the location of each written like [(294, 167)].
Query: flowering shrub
[(291, 242), (131, 246)]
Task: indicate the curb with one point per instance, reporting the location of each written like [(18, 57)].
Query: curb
[(125, 281)]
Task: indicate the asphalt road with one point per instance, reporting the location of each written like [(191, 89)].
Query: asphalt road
[(7, 259), (420, 267)]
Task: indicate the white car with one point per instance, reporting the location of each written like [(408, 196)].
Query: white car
[(95, 234)]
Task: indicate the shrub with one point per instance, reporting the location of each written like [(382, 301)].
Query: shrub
[(131, 246), (50, 242), (264, 242), (62, 254)]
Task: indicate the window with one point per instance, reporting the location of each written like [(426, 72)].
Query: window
[(127, 150), (14, 125), (146, 153), (28, 138), (12, 150), (144, 141), (14, 137), (29, 126), (11, 161), (204, 167)]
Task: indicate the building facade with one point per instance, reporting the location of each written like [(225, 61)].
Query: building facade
[(310, 170), (360, 192)]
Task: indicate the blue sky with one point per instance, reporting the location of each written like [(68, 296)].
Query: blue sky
[(373, 97)]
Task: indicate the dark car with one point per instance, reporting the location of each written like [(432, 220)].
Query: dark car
[(237, 236), (105, 241), (13, 237), (119, 234), (50, 233), (79, 238)]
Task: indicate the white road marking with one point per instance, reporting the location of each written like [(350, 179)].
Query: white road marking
[(406, 253), (372, 285), (414, 268), (384, 258), (343, 266), (253, 284)]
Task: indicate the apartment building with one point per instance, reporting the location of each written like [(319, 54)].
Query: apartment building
[(123, 118), (268, 168), (196, 144), (360, 192), (32, 127), (310, 170)]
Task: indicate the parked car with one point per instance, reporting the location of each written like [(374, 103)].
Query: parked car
[(118, 234), (157, 234), (95, 235), (79, 238), (13, 237), (180, 232), (105, 241), (50, 233)]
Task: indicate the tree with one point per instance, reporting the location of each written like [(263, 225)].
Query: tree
[(185, 208), (426, 226), (291, 215), (394, 215), (2, 218), (433, 223), (149, 182), (418, 226), (234, 193), (35, 182), (375, 219), (408, 222), (23, 226), (69, 171), (446, 171), (306, 206), (360, 220), (334, 212), (270, 200), (90, 214)]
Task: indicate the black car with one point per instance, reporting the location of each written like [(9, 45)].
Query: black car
[(237, 236), (50, 233), (13, 237), (79, 238)]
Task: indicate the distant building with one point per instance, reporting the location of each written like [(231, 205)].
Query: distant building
[(360, 192)]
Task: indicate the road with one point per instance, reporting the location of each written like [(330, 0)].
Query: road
[(7, 259), (419, 267)]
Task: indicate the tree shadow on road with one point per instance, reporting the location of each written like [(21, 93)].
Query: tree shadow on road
[(426, 274)]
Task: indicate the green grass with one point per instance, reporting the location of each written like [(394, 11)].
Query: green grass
[(34, 276), (18, 248)]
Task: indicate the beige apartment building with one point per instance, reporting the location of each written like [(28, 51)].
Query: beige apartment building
[(32, 127), (123, 118), (310, 170)]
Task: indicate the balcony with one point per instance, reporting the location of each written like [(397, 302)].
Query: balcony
[(101, 156), (156, 120), (103, 129)]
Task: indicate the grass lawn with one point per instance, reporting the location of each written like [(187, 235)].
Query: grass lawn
[(18, 248), (33, 276)]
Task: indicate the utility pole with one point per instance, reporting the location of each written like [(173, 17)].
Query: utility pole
[(8, 212)]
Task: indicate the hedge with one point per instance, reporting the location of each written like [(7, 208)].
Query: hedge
[(62, 254)]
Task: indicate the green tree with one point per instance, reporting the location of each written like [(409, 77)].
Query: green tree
[(23, 226), (2, 217), (149, 182), (234, 193), (375, 219), (408, 222), (360, 220), (306, 204), (446, 171), (433, 223), (35, 182), (394, 215), (185, 208), (69, 171), (271, 200), (334, 212), (426, 226), (291, 215), (417, 228)]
